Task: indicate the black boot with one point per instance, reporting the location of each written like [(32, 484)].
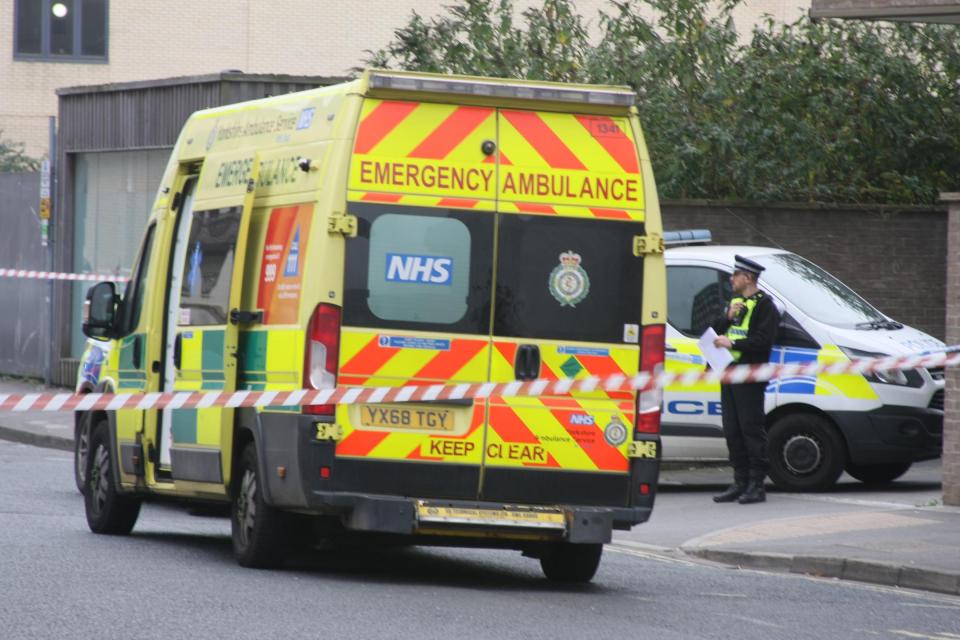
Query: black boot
[(732, 492), (753, 493)]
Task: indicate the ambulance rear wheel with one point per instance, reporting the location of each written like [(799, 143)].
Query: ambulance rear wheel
[(108, 511), (806, 453), (566, 562), (877, 473), (257, 529)]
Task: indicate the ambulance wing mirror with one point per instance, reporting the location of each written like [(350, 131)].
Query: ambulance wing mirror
[(99, 311)]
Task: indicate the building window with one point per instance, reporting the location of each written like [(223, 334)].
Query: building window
[(69, 30)]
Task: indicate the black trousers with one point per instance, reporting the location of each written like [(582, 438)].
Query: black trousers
[(743, 427)]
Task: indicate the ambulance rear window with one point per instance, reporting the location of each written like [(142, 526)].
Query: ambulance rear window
[(419, 269), (568, 279)]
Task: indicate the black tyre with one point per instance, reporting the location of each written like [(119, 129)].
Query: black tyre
[(877, 473), (81, 450), (107, 510), (806, 453), (258, 530), (565, 562)]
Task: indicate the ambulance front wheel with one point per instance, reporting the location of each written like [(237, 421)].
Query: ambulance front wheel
[(566, 562), (806, 453), (108, 511), (81, 450), (257, 529)]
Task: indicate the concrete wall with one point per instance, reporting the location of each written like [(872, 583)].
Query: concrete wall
[(298, 37), (893, 257), (24, 321)]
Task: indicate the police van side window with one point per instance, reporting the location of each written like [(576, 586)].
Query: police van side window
[(134, 294), (420, 269), (208, 268), (696, 297)]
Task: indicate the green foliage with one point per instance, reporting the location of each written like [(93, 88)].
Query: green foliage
[(827, 111), (13, 159)]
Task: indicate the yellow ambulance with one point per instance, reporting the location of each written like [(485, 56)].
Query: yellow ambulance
[(398, 229)]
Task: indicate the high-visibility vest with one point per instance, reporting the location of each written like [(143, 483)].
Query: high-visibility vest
[(738, 330)]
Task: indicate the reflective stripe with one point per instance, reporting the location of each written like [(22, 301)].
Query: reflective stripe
[(738, 331)]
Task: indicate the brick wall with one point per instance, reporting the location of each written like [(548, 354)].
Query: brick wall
[(894, 258), (951, 418)]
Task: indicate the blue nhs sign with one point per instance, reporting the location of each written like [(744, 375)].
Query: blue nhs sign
[(405, 267)]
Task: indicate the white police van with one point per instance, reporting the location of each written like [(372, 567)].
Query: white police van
[(873, 426)]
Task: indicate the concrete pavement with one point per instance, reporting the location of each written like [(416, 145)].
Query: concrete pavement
[(898, 535)]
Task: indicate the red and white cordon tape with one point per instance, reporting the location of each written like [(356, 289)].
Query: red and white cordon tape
[(465, 391), (55, 275)]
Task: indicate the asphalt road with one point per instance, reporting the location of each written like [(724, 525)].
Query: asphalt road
[(175, 578)]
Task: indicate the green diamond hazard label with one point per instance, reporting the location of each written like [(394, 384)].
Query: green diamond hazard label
[(571, 367)]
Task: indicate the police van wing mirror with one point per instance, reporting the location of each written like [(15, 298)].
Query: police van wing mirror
[(100, 310)]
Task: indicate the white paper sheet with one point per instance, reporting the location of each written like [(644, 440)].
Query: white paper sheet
[(717, 357)]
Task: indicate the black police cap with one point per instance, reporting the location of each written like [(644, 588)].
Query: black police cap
[(746, 264)]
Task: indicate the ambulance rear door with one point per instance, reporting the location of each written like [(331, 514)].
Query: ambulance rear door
[(568, 294), (417, 296)]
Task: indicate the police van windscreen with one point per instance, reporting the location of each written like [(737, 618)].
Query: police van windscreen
[(817, 293), (567, 279), (419, 268)]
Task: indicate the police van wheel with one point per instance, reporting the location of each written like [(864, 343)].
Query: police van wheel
[(256, 527), (107, 510), (565, 562), (81, 450), (877, 473), (806, 453)]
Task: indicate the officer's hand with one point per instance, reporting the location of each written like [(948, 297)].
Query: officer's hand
[(722, 341), (734, 310)]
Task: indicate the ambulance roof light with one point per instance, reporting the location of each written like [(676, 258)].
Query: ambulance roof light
[(611, 97), (687, 237)]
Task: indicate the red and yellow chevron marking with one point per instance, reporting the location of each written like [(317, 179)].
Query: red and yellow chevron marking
[(409, 148), (555, 364), (546, 163), (365, 362), (571, 165), (559, 433), (463, 446), (425, 201)]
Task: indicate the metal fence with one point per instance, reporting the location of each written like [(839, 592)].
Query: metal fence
[(24, 304)]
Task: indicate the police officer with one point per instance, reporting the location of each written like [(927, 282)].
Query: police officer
[(748, 330)]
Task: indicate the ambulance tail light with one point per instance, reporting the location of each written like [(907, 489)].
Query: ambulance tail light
[(651, 361), (321, 354)]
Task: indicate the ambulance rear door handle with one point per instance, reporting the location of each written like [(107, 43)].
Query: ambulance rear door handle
[(527, 365), (177, 350)]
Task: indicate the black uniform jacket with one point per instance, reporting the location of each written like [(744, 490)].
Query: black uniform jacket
[(755, 348)]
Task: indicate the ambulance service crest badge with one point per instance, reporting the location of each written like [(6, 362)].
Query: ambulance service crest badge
[(568, 281)]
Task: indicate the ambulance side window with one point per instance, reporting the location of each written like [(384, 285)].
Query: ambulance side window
[(696, 297), (418, 268), (208, 267), (134, 293)]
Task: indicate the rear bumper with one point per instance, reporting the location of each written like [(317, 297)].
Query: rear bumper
[(431, 518), (891, 434), (396, 497)]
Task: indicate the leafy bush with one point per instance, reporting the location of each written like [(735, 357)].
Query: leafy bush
[(826, 111), (13, 159)]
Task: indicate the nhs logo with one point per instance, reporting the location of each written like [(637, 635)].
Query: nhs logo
[(405, 267)]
